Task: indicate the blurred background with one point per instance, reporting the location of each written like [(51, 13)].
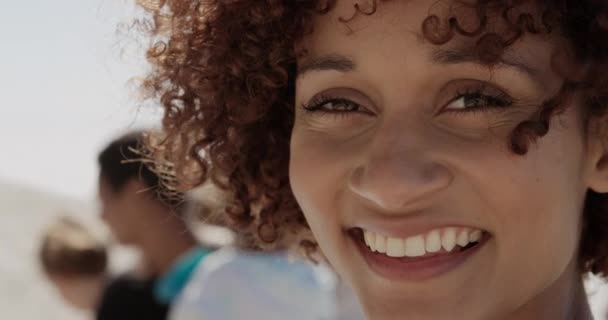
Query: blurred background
[(68, 74)]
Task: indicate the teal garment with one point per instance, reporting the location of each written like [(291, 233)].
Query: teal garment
[(169, 286)]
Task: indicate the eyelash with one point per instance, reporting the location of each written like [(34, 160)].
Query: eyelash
[(317, 105), (495, 102)]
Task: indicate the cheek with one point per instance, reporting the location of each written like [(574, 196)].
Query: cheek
[(317, 170), (105, 208), (533, 204), (538, 211), (117, 215), (111, 212)]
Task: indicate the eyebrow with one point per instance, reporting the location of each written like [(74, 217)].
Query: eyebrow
[(444, 56), (340, 63), (328, 62)]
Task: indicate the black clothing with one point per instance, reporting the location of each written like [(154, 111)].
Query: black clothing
[(128, 298)]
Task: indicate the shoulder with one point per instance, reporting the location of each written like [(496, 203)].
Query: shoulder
[(231, 284)]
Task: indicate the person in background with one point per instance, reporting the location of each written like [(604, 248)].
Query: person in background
[(243, 282), (139, 214), (75, 262)]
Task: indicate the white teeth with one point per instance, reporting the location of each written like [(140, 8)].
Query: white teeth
[(419, 245), (475, 236), (414, 246), (433, 241), (395, 247), (380, 243), (366, 236), (370, 239), (448, 240), (463, 237)]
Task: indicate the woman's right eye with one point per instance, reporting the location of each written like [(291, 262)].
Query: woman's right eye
[(332, 105)]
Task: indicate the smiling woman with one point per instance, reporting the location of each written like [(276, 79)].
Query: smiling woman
[(424, 147)]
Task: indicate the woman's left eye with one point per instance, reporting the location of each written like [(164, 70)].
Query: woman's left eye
[(477, 101)]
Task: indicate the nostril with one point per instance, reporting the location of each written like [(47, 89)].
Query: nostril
[(393, 188)]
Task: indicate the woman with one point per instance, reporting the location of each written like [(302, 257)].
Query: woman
[(449, 157)]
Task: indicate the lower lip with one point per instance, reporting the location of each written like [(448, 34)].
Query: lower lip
[(416, 269)]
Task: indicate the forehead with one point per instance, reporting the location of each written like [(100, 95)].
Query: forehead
[(394, 34), (106, 192), (349, 21)]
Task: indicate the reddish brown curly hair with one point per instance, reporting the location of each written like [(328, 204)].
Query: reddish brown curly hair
[(224, 71)]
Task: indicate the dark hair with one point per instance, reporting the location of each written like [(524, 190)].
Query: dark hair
[(70, 249), (120, 161), (126, 158), (225, 75)]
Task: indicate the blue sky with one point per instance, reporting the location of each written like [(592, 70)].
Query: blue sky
[(66, 88)]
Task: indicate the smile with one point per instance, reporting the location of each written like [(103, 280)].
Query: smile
[(421, 256), (436, 241)]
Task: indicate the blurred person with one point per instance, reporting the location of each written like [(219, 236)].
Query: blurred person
[(244, 282), (75, 262), (140, 215)]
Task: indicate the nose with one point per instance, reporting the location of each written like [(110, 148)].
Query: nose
[(399, 175)]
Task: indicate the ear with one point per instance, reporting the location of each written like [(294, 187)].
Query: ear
[(597, 155)]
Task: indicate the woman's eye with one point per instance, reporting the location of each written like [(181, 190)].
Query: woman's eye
[(470, 101), (465, 102), (333, 106)]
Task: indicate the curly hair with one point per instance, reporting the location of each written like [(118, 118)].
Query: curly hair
[(225, 72)]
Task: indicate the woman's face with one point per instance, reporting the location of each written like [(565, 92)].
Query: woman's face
[(400, 163)]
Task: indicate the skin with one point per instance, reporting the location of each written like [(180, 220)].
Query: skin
[(81, 292), (406, 157), (138, 219), (122, 211)]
